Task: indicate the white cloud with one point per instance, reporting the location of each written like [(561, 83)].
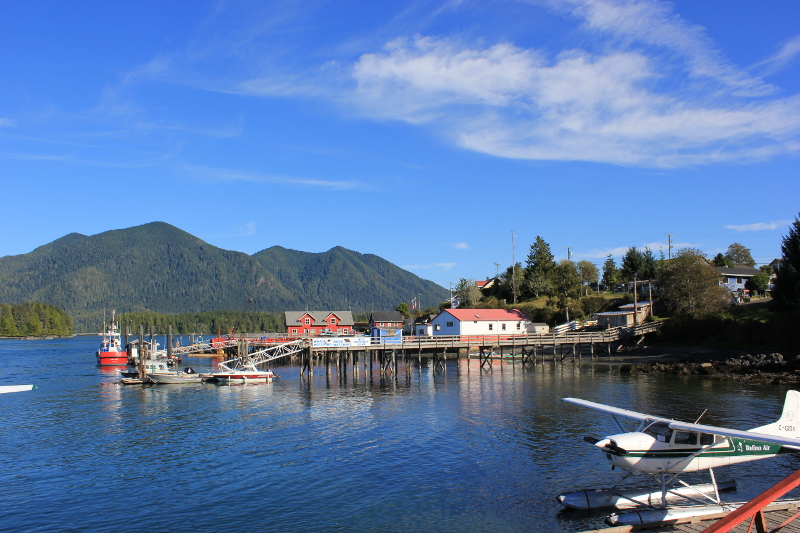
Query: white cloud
[(788, 52), (760, 226), (461, 246), (442, 267), (623, 104), (235, 175), (247, 229), (7, 123)]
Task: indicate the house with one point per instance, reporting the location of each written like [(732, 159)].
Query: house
[(624, 317), (386, 324), (423, 325), (480, 322), (314, 323), (734, 278)]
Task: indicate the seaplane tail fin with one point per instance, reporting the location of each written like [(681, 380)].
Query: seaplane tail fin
[(788, 425)]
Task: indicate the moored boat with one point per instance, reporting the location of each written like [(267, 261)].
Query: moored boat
[(111, 352), (187, 375), (244, 374)]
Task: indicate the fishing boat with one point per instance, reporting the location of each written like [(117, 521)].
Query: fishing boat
[(247, 373), (187, 375), (111, 352)]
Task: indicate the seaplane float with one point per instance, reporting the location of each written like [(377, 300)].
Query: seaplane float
[(663, 449)]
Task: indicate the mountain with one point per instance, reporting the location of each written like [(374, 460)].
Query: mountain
[(158, 267)]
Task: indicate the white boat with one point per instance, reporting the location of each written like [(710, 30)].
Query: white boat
[(15, 388), (187, 375), (635, 497), (244, 374)]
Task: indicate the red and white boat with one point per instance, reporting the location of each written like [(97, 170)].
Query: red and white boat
[(111, 352), (244, 374)]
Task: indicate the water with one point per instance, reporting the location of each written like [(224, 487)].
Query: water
[(467, 450)]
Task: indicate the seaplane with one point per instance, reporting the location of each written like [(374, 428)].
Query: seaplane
[(663, 449)]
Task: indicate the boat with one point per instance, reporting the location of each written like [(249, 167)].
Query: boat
[(247, 373), (187, 375), (111, 352), (16, 388), (636, 497)]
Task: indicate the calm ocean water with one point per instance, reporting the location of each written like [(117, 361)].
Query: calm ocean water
[(466, 450)]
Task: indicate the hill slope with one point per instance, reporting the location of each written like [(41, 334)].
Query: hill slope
[(161, 268)]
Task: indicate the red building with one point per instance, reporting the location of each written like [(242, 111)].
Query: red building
[(315, 323)]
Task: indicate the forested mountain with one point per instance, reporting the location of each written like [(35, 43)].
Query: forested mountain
[(158, 267)]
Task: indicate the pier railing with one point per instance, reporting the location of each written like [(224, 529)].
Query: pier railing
[(426, 342)]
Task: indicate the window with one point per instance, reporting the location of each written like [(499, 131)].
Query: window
[(312, 331), (307, 321), (659, 431), (519, 325), (345, 330), (685, 437), (294, 331), (333, 320), (706, 439), (491, 326), (449, 324), (438, 327), (504, 327)]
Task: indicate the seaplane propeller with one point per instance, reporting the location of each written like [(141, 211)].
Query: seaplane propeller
[(663, 448)]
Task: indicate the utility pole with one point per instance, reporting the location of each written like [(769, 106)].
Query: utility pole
[(569, 252), (669, 245), (513, 269)]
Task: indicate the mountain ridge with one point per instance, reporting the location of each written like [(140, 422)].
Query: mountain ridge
[(161, 268)]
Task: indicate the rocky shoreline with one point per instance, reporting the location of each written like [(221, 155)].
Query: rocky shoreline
[(755, 367)]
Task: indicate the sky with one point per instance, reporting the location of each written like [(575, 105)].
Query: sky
[(442, 136)]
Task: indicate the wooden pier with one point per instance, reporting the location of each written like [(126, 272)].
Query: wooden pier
[(387, 353)]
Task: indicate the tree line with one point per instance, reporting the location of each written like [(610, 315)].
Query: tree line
[(34, 319), (687, 284)]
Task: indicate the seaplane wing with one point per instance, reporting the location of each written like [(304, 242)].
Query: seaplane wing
[(702, 428), (615, 410), (741, 434)]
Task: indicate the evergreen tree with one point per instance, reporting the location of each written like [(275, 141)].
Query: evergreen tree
[(722, 261), (7, 326), (610, 272), (787, 281), (539, 269)]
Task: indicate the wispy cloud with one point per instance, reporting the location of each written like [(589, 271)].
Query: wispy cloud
[(461, 246), (788, 52), (7, 123), (442, 267), (247, 229), (617, 104), (235, 175), (760, 226)]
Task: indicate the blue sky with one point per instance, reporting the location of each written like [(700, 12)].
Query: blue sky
[(424, 132)]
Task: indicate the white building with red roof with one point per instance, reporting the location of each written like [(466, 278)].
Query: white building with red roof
[(480, 322)]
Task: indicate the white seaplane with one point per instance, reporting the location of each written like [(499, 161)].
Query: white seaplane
[(663, 448)]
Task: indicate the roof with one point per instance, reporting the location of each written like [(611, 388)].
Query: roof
[(386, 316), (487, 314), (293, 317), (640, 303), (738, 271)]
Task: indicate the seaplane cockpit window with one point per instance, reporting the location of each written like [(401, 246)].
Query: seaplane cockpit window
[(659, 431), (706, 439), (685, 437)]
